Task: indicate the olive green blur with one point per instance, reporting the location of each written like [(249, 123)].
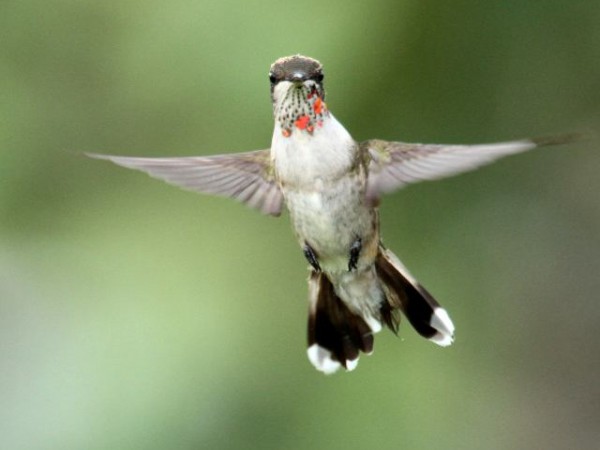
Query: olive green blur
[(134, 315)]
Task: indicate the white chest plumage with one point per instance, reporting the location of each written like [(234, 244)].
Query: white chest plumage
[(322, 189), (303, 158)]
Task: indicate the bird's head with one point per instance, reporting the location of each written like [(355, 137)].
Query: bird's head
[(297, 93)]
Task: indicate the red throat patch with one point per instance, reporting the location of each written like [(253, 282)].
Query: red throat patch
[(302, 122), (308, 116), (318, 106)]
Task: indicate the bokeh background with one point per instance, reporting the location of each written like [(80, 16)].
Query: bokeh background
[(134, 315)]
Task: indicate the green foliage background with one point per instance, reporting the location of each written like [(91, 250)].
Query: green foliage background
[(137, 316)]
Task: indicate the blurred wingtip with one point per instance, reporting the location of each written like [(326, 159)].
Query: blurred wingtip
[(96, 155), (564, 138)]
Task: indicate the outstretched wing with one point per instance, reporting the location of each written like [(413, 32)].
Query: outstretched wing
[(246, 177), (393, 165)]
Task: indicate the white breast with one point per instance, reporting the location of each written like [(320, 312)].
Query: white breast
[(303, 158), (322, 193)]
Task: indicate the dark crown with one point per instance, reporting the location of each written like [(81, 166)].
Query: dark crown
[(296, 68)]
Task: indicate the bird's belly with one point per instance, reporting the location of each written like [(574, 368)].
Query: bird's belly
[(330, 217)]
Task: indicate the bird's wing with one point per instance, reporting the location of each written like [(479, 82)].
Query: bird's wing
[(246, 177), (393, 165)]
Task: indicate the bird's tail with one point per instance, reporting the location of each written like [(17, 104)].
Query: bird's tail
[(337, 334), (405, 294)]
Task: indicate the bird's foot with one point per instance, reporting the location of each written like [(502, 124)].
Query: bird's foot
[(311, 257), (355, 249)]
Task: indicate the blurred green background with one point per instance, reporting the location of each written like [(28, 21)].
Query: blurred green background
[(137, 316)]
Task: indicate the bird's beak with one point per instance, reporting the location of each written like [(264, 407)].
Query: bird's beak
[(298, 77)]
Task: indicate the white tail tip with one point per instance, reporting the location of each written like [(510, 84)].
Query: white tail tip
[(444, 326)]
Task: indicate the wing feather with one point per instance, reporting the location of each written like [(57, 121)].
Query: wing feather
[(246, 177), (393, 165)]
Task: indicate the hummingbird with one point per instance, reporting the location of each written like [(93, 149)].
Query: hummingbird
[(332, 185)]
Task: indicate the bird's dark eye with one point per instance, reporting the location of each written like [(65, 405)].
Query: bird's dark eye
[(272, 78), (319, 77)]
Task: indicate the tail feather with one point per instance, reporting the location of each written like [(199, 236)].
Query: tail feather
[(335, 334), (338, 333), (403, 292), (390, 316)]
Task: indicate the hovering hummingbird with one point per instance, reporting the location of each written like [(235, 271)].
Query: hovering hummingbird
[(331, 186)]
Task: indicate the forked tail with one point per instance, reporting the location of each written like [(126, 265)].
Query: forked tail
[(337, 334)]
